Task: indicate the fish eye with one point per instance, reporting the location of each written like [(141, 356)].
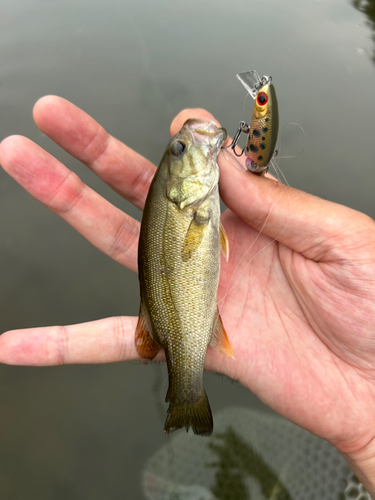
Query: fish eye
[(178, 149), (262, 98)]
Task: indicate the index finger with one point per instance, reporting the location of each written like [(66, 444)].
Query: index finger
[(124, 170)]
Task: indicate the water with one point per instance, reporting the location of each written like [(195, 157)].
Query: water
[(270, 459), (86, 431)]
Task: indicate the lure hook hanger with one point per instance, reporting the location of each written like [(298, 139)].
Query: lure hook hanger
[(242, 127)]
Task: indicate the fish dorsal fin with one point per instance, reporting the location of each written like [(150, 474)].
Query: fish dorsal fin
[(146, 346), (193, 238), (220, 339), (224, 244)]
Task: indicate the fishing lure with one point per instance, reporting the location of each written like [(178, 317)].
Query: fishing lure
[(264, 127)]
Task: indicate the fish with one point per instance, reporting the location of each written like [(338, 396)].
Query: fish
[(179, 267)]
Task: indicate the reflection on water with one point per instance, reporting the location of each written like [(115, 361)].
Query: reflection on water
[(367, 7), (237, 460), (250, 456)]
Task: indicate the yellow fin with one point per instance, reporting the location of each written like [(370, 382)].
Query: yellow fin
[(194, 237), (220, 339), (146, 346), (224, 244)]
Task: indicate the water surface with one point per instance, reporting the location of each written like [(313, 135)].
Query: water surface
[(86, 431)]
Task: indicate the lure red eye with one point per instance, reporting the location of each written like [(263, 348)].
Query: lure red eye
[(262, 98)]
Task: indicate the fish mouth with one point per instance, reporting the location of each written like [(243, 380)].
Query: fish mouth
[(206, 132)]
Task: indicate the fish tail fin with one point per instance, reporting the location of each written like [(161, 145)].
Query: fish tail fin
[(196, 414)]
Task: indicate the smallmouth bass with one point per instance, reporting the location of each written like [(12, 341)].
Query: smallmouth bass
[(179, 267)]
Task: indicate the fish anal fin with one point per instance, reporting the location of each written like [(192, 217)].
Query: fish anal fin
[(224, 244), (194, 237), (146, 346), (220, 339)]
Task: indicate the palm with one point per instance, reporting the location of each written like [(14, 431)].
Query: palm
[(294, 345), (283, 309)]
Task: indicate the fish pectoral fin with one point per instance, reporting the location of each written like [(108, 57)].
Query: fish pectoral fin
[(194, 237), (224, 244), (220, 339), (146, 346)]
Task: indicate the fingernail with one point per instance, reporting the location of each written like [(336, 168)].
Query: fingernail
[(232, 160)]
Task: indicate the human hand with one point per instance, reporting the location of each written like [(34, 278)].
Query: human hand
[(297, 301)]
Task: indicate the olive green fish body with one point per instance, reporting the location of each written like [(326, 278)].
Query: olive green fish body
[(264, 127), (179, 268)]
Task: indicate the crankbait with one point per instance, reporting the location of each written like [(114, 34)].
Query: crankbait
[(263, 129)]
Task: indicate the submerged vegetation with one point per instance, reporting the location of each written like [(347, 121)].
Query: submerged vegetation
[(367, 7), (238, 461)]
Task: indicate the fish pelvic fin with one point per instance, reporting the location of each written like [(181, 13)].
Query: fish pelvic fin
[(196, 415), (220, 340), (224, 244), (146, 346)]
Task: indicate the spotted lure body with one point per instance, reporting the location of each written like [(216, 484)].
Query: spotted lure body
[(263, 129), (262, 137)]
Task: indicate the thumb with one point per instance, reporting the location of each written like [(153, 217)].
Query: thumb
[(301, 221), (305, 223)]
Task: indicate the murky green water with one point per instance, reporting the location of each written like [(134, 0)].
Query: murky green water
[(85, 431)]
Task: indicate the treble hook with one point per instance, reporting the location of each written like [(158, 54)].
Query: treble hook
[(242, 127)]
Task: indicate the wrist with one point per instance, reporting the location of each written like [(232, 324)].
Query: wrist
[(362, 463)]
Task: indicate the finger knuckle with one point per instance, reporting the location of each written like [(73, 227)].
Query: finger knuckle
[(125, 238), (58, 345), (120, 338)]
